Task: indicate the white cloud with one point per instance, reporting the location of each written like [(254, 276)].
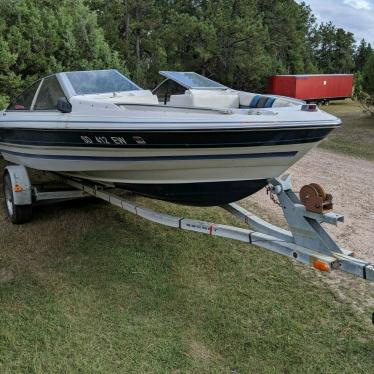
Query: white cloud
[(358, 4), (356, 16)]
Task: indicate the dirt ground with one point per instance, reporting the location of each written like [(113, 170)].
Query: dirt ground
[(351, 182)]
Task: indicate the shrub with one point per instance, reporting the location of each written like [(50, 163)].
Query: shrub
[(364, 87)]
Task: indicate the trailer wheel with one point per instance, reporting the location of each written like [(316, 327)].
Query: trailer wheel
[(17, 213)]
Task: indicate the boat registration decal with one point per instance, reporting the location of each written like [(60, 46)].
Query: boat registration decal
[(112, 140), (115, 140)]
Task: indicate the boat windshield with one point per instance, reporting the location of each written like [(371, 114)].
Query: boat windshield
[(189, 79), (100, 81)]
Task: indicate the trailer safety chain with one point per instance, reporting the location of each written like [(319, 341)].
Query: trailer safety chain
[(270, 193)]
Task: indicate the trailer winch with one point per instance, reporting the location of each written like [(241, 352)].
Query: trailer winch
[(315, 199)]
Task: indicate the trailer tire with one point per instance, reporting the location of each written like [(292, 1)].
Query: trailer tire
[(17, 214)]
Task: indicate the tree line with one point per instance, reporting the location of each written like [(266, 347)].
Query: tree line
[(237, 42)]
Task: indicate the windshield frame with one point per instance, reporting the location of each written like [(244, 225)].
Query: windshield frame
[(182, 78), (70, 91)]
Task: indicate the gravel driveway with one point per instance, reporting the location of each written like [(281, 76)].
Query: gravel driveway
[(350, 181)]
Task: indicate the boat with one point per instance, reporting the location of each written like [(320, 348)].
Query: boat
[(191, 140)]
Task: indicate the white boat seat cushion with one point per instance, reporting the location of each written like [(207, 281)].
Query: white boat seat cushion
[(206, 99), (245, 98), (224, 99), (184, 100)]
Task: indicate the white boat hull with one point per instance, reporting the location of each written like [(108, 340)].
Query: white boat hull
[(160, 166)]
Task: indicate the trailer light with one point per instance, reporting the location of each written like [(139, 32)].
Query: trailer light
[(320, 265), (18, 188), (309, 107)]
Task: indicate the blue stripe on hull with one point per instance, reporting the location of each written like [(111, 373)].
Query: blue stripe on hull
[(156, 158)]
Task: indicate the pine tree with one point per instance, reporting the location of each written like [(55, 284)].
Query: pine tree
[(334, 49), (289, 26), (134, 29), (39, 37), (364, 87), (362, 54)]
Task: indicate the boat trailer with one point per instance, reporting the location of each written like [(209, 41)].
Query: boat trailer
[(306, 241)]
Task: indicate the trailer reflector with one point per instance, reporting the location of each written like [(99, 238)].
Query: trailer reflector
[(320, 265), (18, 188)]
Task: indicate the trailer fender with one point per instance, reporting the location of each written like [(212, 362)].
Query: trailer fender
[(21, 184)]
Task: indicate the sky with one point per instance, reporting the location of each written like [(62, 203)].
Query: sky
[(356, 16)]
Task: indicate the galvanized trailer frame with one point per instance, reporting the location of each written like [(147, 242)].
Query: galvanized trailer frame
[(306, 241)]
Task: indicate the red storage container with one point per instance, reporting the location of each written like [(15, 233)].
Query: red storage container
[(312, 87)]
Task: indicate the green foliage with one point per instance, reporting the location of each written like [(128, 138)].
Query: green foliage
[(240, 43), (364, 87), (333, 49), (368, 76), (4, 101), (237, 42), (134, 28), (223, 39), (362, 54), (39, 37), (289, 27)]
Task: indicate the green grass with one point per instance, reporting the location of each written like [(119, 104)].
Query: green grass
[(356, 136), (88, 288)]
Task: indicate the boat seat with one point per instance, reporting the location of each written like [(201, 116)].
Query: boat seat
[(205, 99), (260, 101), (270, 102), (181, 100), (248, 100)]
